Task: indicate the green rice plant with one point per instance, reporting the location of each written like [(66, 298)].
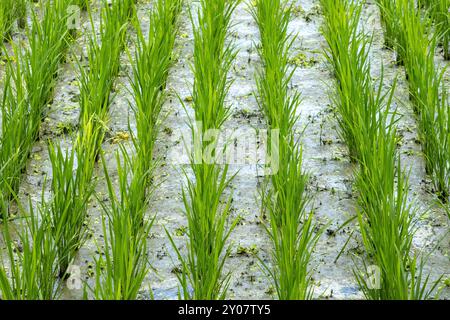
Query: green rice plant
[(48, 41), (279, 107), (21, 13), (16, 139), (424, 3), (96, 82), (291, 228), (208, 233), (122, 270), (103, 57), (387, 225), (30, 271), (390, 11), (68, 206), (72, 187), (207, 214), (442, 16), (152, 59), (389, 22), (439, 10), (10, 11), (414, 44), (386, 221), (33, 79), (431, 104), (7, 18), (347, 53), (440, 141), (212, 61), (90, 134), (284, 197)]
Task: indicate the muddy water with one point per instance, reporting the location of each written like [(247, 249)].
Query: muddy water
[(325, 158)]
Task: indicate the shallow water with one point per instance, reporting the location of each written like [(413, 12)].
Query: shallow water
[(325, 158)]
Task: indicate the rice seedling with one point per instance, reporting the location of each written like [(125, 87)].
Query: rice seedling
[(7, 18), (72, 187), (389, 23), (152, 59), (121, 273), (122, 270), (431, 104), (386, 220), (17, 134), (21, 13), (68, 205), (350, 66), (425, 82), (96, 82), (202, 269), (442, 16), (28, 90), (30, 271), (48, 41), (387, 225), (290, 227), (439, 11), (39, 243)]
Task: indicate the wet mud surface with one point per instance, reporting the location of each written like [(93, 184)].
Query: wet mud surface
[(325, 158)]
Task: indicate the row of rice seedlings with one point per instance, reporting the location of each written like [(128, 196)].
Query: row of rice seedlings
[(124, 266), (29, 83), (17, 136), (21, 13), (417, 45), (152, 59), (65, 215), (7, 18), (439, 11), (123, 269), (207, 212), (284, 197), (71, 192), (48, 41), (96, 81), (386, 220), (10, 12), (32, 267), (429, 96), (28, 265), (441, 14), (72, 185)]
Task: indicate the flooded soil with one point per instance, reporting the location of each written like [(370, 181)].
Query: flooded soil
[(325, 158)]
